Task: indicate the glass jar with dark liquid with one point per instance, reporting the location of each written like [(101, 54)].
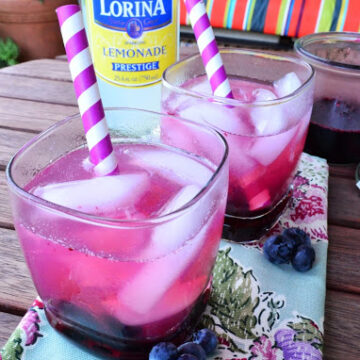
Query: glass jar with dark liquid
[(334, 131)]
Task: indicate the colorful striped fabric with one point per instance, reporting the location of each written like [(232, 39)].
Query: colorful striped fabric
[(293, 18)]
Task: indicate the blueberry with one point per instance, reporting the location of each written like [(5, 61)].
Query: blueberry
[(163, 351), (297, 236), (207, 339), (303, 258), (278, 249), (187, 357), (193, 349)]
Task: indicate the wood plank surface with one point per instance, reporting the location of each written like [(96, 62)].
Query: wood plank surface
[(343, 270), (5, 210), (343, 248), (342, 257), (17, 291), (340, 337), (58, 69), (344, 202), (8, 323), (339, 170), (41, 90), (36, 94), (31, 116), (16, 280), (10, 143), (342, 326), (41, 69)]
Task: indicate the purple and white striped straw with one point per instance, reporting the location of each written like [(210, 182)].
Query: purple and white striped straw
[(209, 51), (86, 89)]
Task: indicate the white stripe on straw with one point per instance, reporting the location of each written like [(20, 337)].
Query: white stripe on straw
[(86, 90), (96, 133), (80, 62), (71, 26), (209, 51)]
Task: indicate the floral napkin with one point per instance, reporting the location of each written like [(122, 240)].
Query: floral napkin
[(259, 310)]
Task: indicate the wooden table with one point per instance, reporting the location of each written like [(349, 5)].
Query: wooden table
[(36, 94)]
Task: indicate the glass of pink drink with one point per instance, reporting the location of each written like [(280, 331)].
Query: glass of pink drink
[(265, 126), (121, 262)]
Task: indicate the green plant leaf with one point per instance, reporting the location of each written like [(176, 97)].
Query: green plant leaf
[(231, 299), (13, 349), (307, 331), (9, 52)]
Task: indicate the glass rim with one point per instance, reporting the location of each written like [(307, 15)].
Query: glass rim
[(101, 220), (349, 37), (235, 102)]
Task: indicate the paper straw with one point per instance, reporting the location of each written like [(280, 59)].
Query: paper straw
[(86, 89), (209, 51)]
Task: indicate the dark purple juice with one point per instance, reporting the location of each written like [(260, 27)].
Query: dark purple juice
[(334, 131), (121, 341), (249, 229)]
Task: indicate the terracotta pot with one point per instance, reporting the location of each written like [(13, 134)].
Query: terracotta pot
[(33, 26)]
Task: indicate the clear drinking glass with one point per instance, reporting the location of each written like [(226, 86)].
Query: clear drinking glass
[(117, 271), (334, 131), (265, 131)]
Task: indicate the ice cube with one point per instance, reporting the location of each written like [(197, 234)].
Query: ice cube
[(97, 195), (260, 200), (178, 105), (263, 94), (232, 120), (171, 235), (240, 94), (287, 84), (186, 194), (268, 148), (194, 111), (175, 165), (239, 158), (268, 120), (200, 85), (186, 106), (149, 285)]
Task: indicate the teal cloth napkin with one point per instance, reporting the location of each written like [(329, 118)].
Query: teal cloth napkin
[(259, 310)]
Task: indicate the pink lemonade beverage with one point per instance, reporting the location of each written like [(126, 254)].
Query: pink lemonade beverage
[(124, 261), (265, 126)]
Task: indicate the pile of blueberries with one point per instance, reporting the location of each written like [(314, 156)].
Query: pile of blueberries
[(204, 344), (292, 245)]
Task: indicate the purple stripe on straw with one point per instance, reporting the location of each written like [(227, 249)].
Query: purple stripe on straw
[(209, 52), (191, 3), (93, 115), (201, 25), (76, 44), (218, 78), (65, 11), (230, 95), (101, 150), (114, 172), (84, 80), (206, 41)]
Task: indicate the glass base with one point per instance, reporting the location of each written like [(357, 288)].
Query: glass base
[(126, 342), (249, 229)]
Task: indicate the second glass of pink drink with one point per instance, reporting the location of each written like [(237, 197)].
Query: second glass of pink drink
[(121, 262), (265, 126)]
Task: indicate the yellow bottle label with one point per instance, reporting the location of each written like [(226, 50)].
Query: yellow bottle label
[(132, 41)]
